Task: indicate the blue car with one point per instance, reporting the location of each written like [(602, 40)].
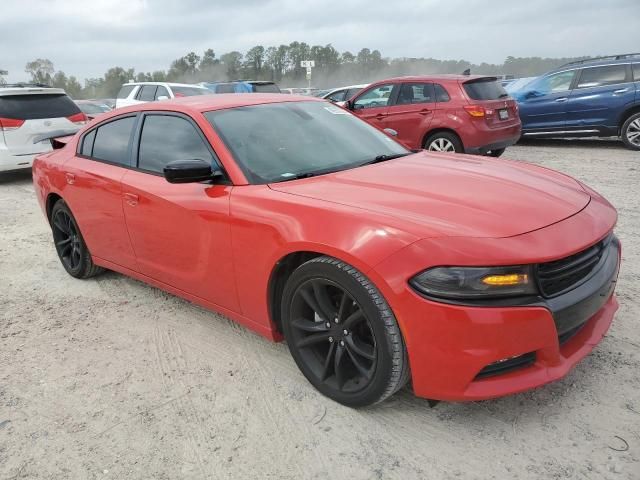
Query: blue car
[(595, 97)]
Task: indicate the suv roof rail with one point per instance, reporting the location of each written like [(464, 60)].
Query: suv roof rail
[(620, 56), (25, 85)]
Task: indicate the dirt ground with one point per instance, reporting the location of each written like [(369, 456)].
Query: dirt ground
[(111, 379)]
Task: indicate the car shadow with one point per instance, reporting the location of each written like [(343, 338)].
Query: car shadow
[(16, 176), (610, 142)]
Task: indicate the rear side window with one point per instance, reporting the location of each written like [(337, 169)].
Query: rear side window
[(265, 88), (167, 138), (87, 144), (636, 72), (125, 91), (441, 93), (188, 91), (111, 142), (162, 92), (600, 76), (484, 89), (147, 94), (415, 93), (30, 107)]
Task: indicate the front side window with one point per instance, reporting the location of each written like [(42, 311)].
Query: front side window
[(337, 96), (411, 93), (351, 92), (148, 93), (111, 142), (601, 76), (166, 138), (557, 82), (376, 97), (281, 141)]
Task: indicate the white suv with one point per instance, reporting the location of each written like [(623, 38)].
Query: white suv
[(29, 115), (141, 92)]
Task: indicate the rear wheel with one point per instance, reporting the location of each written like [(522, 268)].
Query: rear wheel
[(444, 142), (72, 251), (496, 153), (342, 333), (630, 132)]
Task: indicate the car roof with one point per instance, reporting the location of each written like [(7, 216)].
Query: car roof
[(207, 103), (346, 87), (17, 90), (441, 77), (171, 84), (593, 63)]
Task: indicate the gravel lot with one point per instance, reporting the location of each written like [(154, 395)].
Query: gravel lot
[(110, 378)]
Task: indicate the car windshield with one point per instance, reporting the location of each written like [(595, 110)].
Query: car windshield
[(282, 141)]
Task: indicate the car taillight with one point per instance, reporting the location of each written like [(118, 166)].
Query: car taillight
[(475, 110), (7, 124), (79, 118)]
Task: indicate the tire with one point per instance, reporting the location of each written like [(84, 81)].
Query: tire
[(496, 153), (348, 344), (630, 132), (70, 246), (444, 142)]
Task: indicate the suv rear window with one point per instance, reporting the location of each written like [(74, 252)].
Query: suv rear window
[(485, 89), (188, 91), (125, 91), (265, 88), (29, 107)]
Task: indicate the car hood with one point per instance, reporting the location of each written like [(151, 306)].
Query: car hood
[(431, 194)]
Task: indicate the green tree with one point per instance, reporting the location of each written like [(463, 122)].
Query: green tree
[(254, 61), (233, 63), (41, 70)]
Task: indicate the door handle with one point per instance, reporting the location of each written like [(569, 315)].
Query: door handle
[(562, 99), (380, 116), (424, 111), (622, 90), (71, 178), (131, 199)]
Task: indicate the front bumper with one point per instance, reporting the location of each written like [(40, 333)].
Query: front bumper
[(450, 345)]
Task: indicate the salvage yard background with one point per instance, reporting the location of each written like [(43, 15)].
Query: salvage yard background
[(110, 378)]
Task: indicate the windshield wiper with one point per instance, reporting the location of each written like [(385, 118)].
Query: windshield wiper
[(384, 158)]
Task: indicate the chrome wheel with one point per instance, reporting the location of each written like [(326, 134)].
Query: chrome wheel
[(441, 145), (633, 133)]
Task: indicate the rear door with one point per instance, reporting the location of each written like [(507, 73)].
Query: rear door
[(372, 105), (601, 94), (24, 117), (543, 103), (412, 112), (180, 232), (94, 193)]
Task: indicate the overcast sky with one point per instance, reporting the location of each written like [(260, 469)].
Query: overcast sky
[(86, 37)]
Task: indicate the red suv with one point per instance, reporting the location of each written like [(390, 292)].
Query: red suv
[(454, 113)]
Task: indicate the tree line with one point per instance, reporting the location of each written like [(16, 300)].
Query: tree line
[(282, 65)]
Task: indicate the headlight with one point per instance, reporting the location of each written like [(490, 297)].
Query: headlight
[(475, 282)]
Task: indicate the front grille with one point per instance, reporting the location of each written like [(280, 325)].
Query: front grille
[(507, 365), (561, 275)]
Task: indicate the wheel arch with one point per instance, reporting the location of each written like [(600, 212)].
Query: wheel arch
[(52, 199), (625, 116), (440, 130)]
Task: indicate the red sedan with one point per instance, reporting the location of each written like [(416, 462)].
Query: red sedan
[(472, 277), (448, 113)]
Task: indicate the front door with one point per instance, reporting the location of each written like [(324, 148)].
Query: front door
[(543, 104), (180, 232), (373, 104)]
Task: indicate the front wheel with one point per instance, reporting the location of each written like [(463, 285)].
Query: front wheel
[(444, 142), (630, 132), (72, 251), (342, 333)]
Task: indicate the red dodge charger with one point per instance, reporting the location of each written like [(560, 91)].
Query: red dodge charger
[(471, 277)]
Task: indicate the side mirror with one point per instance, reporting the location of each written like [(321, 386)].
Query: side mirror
[(162, 97), (532, 94), (190, 171), (391, 132)]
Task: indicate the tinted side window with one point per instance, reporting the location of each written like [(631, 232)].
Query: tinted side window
[(148, 93), (441, 93), (167, 138), (376, 97), (162, 92), (337, 96), (599, 76), (125, 91), (415, 93), (636, 72), (87, 143), (112, 141), (351, 92)]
